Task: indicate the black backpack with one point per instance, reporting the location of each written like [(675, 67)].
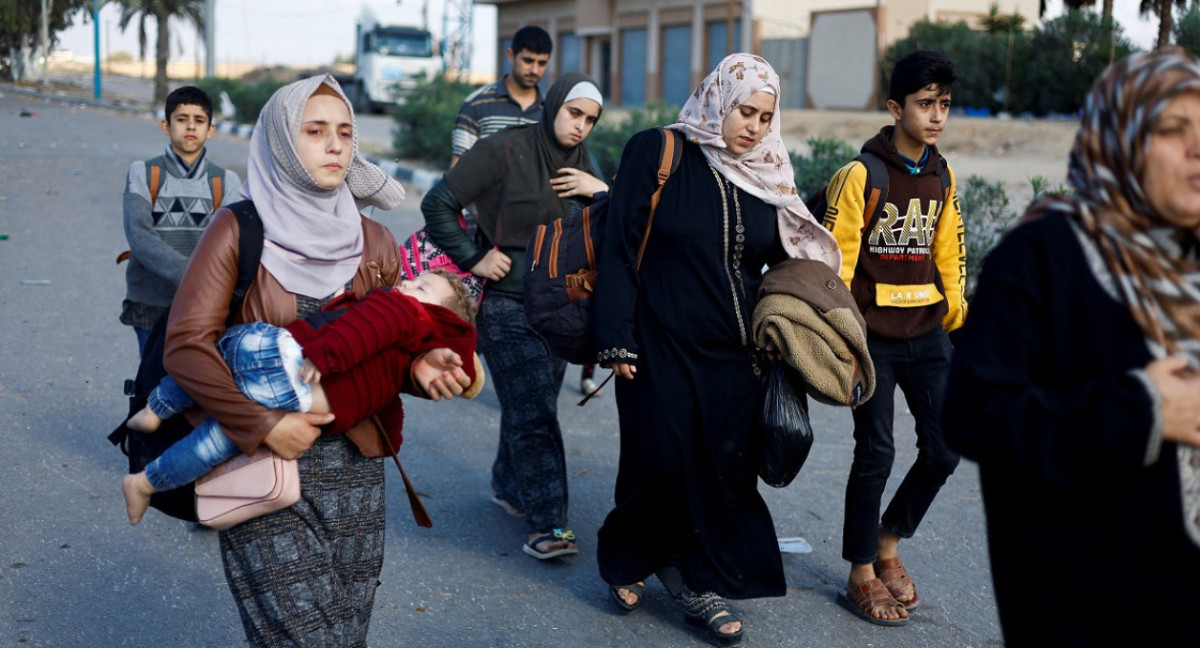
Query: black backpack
[(563, 257), (875, 191), (142, 447)]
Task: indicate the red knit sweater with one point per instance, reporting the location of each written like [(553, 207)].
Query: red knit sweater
[(365, 353)]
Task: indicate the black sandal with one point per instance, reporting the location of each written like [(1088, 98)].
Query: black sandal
[(703, 610), (633, 588)]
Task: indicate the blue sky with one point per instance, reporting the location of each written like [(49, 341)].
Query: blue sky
[(314, 32)]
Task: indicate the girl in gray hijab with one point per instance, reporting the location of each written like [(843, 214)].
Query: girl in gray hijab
[(305, 575)]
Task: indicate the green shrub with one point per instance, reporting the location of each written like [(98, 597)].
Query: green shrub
[(986, 217), (248, 97), (608, 140), (425, 121), (826, 155)]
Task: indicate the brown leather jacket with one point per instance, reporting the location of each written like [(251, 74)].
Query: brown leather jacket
[(198, 319)]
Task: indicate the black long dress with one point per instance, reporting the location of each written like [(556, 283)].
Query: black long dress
[(1043, 395), (687, 488)]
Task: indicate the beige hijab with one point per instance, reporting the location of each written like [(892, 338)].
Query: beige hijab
[(764, 171)]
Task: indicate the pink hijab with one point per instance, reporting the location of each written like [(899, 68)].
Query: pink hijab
[(764, 171)]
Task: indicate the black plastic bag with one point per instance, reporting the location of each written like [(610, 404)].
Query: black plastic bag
[(786, 434)]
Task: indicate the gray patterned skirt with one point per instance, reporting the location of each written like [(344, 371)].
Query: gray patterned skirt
[(306, 576)]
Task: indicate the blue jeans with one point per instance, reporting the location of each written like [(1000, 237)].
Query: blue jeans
[(530, 471), (142, 335), (265, 363), (918, 367)]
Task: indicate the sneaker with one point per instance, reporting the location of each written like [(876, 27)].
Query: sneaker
[(587, 386)]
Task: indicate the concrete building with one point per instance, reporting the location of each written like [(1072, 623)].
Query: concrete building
[(648, 50)]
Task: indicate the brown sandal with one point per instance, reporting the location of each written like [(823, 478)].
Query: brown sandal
[(895, 578), (866, 597)]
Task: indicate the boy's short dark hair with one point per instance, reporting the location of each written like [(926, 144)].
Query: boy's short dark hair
[(190, 96), (463, 303), (919, 70), (533, 39)]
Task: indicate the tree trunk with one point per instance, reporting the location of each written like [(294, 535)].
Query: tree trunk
[(22, 61), (1107, 13), (1165, 14), (162, 53)]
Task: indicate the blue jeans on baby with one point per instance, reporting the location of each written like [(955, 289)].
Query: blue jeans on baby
[(265, 362)]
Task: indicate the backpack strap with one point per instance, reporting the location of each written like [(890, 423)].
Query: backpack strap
[(943, 171), (669, 156), (155, 178), (250, 247), (216, 184), (876, 188)]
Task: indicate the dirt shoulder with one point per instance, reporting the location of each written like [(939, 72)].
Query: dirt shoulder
[(1000, 150)]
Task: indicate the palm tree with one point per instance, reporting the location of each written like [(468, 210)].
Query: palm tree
[(1105, 11), (161, 11), (1166, 16)]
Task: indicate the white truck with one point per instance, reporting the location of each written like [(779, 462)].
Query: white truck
[(390, 55)]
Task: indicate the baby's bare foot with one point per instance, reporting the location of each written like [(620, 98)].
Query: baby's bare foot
[(137, 491), (144, 421)]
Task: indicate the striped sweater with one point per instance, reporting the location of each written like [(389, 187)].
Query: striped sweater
[(488, 110)]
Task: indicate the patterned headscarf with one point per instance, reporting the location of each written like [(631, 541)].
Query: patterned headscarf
[(313, 235), (1154, 276), (765, 171)]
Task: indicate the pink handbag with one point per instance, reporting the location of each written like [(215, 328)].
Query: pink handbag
[(246, 487)]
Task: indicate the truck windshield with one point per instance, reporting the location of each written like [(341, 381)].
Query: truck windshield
[(403, 44)]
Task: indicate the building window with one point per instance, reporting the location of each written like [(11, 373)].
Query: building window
[(569, 56), (633, 67), (677, 64), (718, 33)]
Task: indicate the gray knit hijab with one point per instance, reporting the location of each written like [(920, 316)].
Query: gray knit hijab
[(314, 237)]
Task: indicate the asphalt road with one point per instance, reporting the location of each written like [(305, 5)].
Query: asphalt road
[(74, 573)]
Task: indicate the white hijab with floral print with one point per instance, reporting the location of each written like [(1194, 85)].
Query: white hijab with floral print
[(765, 171)]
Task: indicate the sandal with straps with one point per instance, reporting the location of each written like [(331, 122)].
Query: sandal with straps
[(866, 597), (895, 578), (706, 610), (556, 535), (633, 588)]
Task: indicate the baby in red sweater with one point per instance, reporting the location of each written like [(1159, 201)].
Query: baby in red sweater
[(351, 358)]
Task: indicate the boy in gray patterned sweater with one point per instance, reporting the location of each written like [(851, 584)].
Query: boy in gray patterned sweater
[(168, 201)]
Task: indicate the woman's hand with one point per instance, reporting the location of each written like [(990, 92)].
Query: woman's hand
[(772, 351), (493, 266), (1180, 392), (440, 374), (573, 182), (295, 433), (624, 370)]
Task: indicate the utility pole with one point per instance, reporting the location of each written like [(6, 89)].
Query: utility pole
[(45, 39), (457, 36), (96, 48), (210, 28)]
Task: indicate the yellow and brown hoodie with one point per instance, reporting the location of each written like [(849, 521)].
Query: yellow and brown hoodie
[(906, 269)]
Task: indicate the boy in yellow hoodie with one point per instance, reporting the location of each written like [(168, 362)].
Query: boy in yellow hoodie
[(905, 264)]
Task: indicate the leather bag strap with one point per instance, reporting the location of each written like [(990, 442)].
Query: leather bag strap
[(420, 514), (666, 164)]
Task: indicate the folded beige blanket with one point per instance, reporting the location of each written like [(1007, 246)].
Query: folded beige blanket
[(807, 311)]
